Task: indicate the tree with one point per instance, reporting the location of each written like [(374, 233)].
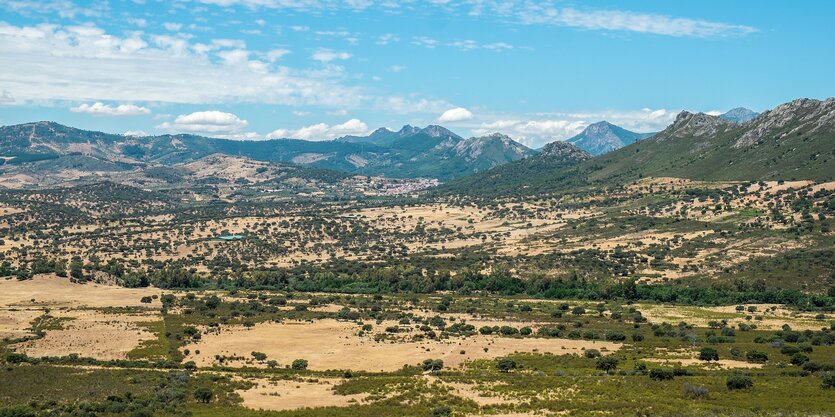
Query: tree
[(203, 395), (432, 365), (299, 364), (708, 354), (505, 364), (259, 356), (607, 363)]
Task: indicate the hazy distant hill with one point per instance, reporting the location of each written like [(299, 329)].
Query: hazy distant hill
[(739, 115), (602, 137), (412, 152), (522, 176)]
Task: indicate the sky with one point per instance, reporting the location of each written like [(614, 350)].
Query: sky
[(538, 71)]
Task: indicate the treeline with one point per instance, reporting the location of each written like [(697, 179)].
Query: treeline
[(462, 278)]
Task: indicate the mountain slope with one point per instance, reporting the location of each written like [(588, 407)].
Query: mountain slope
[(602, 137), (411, 152), (795, 140), (524, 176)]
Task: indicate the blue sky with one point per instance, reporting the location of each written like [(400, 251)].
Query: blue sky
[(318, 69)]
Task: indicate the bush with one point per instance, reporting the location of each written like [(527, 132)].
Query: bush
[(606, 363), (299, 364), (799, 359), (708, 354), (756, 356), (739, 381), (592, 353), (695, 392), (659, 374), (432, 365), (442, 411), (203, 395), (828, 380), (17, 411), (505, 364)]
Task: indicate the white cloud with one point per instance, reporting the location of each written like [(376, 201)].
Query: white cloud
[(6, 97), (137, 22), (396, 68), (322, 131), (85, 63), (620, 20), (136, 133), (211, 122), (535, 130), (101, 109), (327, 55), (64, 8), (276, 54), (458, 114), (387, 39), (301, 113), (527, 12), (173, 27)]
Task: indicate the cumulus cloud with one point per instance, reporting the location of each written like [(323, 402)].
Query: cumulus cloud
[(86, 63), (211, 122), (535, 130), (136, 133), (322, 131), (458, 114), (101, 109)]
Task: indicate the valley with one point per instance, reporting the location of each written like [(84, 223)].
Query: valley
[(651, 279)]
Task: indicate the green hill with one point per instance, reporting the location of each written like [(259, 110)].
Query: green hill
[(795, 140)]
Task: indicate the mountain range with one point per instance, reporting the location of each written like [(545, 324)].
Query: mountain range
[(795, 140), (431, 152)]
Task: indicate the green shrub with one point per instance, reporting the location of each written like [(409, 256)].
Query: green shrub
[(708, 354), (739, 381), (659, 374)]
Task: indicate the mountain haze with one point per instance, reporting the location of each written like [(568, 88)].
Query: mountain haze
[(433, 152), (602, 137)]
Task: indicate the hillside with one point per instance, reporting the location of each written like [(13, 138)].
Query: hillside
[(792, 141), (409, 153), (523, 176), (602, 137)]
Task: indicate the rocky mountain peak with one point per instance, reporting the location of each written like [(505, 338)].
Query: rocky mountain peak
[(565, 150), (438, 131), (739, 115), (694, 124), (802, 115), (408, 130)]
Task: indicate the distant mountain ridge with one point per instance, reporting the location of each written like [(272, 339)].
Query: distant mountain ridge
[(602, 137), (432, 152), (792, 141), (739, 115)]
